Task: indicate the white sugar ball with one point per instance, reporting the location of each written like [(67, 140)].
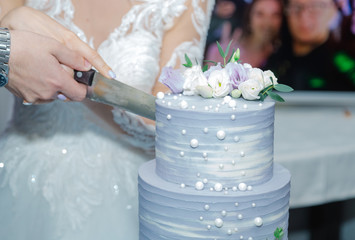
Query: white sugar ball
[(199, 185), (160, 95), (218, 222), (221, 134), (258, 221), (194, 143), (232, 103), (242, 186), (218, 187), (184, 104), (227, 99)]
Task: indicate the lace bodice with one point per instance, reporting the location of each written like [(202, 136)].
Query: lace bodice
[(141, 31)]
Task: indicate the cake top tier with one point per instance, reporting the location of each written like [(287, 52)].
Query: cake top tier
[(221, 141)]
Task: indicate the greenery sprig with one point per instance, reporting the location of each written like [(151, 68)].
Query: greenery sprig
[(268, 91)]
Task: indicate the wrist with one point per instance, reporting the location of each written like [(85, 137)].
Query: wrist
[(5, 42)]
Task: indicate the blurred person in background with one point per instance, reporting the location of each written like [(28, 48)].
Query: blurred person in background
[(259, 36), (310, 57)]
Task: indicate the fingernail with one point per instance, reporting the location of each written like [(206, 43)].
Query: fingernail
[(112, 74), (61, 97), (87, 64)]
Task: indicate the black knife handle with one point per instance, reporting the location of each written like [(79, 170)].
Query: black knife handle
[(84, 77)]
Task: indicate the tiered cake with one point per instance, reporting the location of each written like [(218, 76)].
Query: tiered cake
[(213, 176)]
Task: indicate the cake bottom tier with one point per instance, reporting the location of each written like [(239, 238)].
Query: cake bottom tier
[(171, 211)]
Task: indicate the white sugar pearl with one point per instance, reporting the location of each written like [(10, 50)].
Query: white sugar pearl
[(193, 107), (175, 97), (169, 103), (205, 130), (260, 104), (205, 180), (242, 154), (224, 213), (199, 185), (233, 162), (253, 204), (241, 237), (235, 229), (221, 166), (245, 106), (236, 139), (229, 232), (236, 204), (208, 227), (227, 99), (242, 186), (218, 222), (198, 174), (250, 238), (234, 189), (182, 154), (243, 173), (201, 218), (258, 221), (233, 117), (226, 149), (163, 101), (204, 154), (207, 207), (184, 104), (194, 143), (218, 187), (206, 108), (160, 95), (221, 135), (240, 216), (183, 132), (250, 188), (168, 117), (232, 103), (182, 185)]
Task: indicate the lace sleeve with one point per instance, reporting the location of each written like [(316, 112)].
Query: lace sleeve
[(193, 41)]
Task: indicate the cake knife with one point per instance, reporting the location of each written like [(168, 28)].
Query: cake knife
[(116, 93)]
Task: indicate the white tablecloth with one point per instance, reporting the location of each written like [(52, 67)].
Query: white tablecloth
[(315, 140)]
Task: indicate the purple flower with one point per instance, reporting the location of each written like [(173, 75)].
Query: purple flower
[(211, 69), (237, 73), (172, 78)]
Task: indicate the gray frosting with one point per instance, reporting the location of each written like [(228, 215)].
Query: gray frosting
[(244, 155), (168, 211), (213, 176)]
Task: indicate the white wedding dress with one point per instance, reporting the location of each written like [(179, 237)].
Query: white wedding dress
[(62, 174)]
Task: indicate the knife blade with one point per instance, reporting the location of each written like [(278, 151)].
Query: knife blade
[(116, 93)]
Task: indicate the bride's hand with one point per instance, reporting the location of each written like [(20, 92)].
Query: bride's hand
[(29, 19), (36, 72)]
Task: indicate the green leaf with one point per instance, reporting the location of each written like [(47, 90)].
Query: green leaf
[(205, 68), (283, 88), (230, 58), (188, 61), (215, 63), (262, 96), (220, 49), (275, 96), (278, 233), (227, 50)]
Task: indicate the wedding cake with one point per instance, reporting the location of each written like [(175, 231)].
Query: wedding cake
[(214, 175)]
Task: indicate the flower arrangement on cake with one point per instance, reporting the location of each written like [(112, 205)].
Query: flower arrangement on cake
[(222, 79)]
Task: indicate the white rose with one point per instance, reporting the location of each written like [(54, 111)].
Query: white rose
[(268, 75), (257, 74), (247, 65), (220, 83), (250, 89), (193, 77)]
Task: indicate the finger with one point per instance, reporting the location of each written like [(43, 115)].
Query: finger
[(73, 42), (69, 57), (70, 88)]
